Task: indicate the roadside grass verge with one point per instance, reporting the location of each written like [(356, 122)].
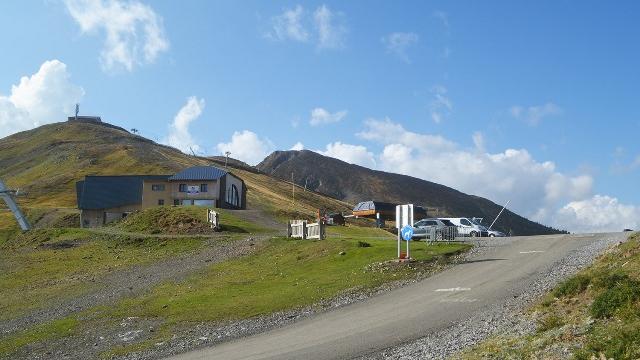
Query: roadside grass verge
[(48, 331), (592, 315), (45, 265), (285, 275), (183, 220)]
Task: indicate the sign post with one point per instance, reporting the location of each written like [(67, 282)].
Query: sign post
[(404, 224)]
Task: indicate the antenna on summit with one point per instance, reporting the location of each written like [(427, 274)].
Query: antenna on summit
[(77, 110)]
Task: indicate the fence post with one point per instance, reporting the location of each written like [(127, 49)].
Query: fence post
[(304, 230), (289, 231), (321, 225)]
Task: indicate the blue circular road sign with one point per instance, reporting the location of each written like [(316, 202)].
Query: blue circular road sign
[(406, 232)]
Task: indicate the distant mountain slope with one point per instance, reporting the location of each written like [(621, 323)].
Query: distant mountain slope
[(46, 162), (353, 183)]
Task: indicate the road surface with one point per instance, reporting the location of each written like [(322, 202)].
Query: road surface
[(410, 312)]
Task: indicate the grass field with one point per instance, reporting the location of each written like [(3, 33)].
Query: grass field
[(52, 264), (593, 315), (184, 220), (285, 274)]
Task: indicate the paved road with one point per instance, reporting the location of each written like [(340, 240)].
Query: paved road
[(411, 312)]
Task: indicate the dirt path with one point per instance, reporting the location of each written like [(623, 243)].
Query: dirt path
[(135, 280)]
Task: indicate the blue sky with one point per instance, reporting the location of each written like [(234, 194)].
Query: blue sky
[(533, 102)]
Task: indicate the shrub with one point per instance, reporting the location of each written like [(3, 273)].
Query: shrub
[(549, 322), (572, 286), (614, 341), (363, 244), (624, 292)]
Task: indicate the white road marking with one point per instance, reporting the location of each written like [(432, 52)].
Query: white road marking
[(463, 300), (453, 289), (531, 252)]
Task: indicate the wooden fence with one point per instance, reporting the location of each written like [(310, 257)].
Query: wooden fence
[(301, 229)]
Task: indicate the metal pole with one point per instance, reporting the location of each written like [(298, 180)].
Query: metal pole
[(496, 219), (5, 194)]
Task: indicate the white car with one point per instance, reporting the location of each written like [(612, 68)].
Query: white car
[(469, 227), (496, 233)]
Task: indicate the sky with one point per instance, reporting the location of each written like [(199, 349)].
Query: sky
[(535, 103)]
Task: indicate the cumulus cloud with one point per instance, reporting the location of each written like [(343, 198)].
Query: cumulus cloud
[(397, 43), (353, 154), (298, 146), (247, 146), (441, 106), (320, 116), (536, 189), (331, 28), (533, 115), (179, 134), (134, 33), (44, 97), (597, 214), (288, 26)]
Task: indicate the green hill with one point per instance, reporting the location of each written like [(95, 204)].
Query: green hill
[(44, 163)]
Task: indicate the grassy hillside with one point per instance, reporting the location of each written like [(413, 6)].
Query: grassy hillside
[(353, 183), (45, 163), (592, 315)]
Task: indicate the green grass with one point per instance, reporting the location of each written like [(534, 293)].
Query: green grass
[(48, 331), (45, 265), (183, 220), (286, 274), (594, 314)]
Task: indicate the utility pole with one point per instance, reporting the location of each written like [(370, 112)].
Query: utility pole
[(293, 188), (226, 159), (7, 196)]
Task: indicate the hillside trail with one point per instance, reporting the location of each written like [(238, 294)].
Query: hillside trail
[(136, 280)]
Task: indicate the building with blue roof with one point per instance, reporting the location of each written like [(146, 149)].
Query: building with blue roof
[(103, 199)]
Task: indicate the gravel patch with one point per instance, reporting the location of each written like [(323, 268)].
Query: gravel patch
[(506, 317), (109, 288)]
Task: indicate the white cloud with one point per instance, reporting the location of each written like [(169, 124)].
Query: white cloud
[(298, 146), (247, 146), (331, 28), (597, 214), (179, 134), (44, 97), (320, 116), (353, 154), (288, 25), (533, 115), (134, 32), (441, 106), (397, 43), (535, 188), (444, 18)]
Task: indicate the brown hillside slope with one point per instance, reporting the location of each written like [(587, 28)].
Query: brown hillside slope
[(353, 183), (45, 163)]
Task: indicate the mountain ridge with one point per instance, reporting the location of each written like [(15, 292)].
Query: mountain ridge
[(355, 183)]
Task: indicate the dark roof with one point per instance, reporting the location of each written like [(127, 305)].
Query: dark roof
[(374, 205), (199, 173), (104, 192)]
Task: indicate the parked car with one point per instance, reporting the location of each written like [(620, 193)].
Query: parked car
[(468, 227), (441, 229), (496, 233)]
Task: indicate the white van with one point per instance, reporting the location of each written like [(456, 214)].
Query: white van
[(469, 227)]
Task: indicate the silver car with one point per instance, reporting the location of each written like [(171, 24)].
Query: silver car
[(436, 228)]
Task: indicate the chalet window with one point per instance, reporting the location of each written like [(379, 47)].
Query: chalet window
[(203, 187), (182, 188), (157, 187)]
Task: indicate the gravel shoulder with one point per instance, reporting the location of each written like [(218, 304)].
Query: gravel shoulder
[(506, 317)]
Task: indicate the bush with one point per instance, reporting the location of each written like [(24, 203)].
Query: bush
[(623, 292), (572, 286), (549, 322), (363, 244), (614, 341)]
